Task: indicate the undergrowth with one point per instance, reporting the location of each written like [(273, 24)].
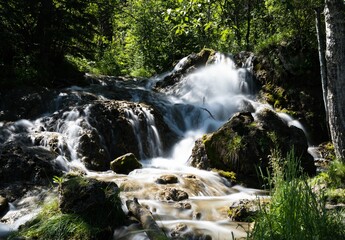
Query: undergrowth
[(52, 224), (295, 211)]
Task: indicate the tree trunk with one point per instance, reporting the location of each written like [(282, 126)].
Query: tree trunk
[(335, 57), (146, 219), (322, 59)]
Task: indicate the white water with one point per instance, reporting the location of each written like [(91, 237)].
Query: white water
[(199, 104), (205, 100)]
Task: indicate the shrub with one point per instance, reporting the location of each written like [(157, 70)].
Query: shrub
[(295, 211)]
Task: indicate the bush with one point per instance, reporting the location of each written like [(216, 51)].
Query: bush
[(295, 211)]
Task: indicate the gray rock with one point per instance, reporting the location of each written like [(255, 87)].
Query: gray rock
[(243, 144), (125, 164)]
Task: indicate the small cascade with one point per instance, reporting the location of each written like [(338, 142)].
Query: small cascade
[(139, 117), (207, 97)]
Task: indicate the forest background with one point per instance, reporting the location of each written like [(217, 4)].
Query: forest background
[(46, 41)]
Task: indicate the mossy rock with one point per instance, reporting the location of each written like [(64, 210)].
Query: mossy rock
[(244, 145), (243, 211), (125, 164), (95, 201)]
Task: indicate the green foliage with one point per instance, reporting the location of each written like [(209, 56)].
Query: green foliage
[(58, 180), (52, 224), (35, 40), (82, 64), (295, 211), (140, 37), (336, 174), (335, 195)]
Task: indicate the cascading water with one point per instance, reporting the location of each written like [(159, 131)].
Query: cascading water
[(155, 146), (200, 103)]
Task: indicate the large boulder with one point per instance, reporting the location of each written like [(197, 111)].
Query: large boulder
[(96, 201), (125, 164), (123, 127), (100, 131), (22, 167), (243, 144)]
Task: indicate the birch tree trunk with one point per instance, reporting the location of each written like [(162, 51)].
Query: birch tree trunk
[(335, 57)]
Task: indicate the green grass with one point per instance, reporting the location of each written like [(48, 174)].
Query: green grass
[(336, 172), (52, 224), (295, 211)]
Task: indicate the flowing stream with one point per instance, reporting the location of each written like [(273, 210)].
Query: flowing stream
[(199, 104)]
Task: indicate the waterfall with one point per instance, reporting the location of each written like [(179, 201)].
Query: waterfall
[(201, 102), (149, 135)]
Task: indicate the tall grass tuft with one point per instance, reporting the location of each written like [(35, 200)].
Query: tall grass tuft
[(295, 211), (52, 224)]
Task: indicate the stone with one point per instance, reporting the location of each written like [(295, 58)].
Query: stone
[(243, 144), (125, 164), (172, 194), (167, 179), (24, 167), (96, 201), (4, 206), (244, 210)]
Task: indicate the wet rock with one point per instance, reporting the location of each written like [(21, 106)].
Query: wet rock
[(94, 154), (192, 62), (167, 179), (183, 205), (125, 164), (243, 144), (172, 194), (199, 158), (124, 127), (24, 103), (181, 231), (22, 167), (4, 207), (178, 231), (244, 210), (197, 215), (97, 202), (288, 83)]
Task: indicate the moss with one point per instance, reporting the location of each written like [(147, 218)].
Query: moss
[(234, 146), (289, 112), (205, 138), (226, 174)]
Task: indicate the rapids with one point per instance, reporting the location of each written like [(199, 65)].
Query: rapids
[(200, 103)]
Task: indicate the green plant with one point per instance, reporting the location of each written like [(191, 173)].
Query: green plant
[(336, 172), (295, 211), (50, 223), (58, 180), (335, 195)]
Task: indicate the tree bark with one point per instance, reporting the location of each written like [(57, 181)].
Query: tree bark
[(150, 226), (335, 57), (322, 59)]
